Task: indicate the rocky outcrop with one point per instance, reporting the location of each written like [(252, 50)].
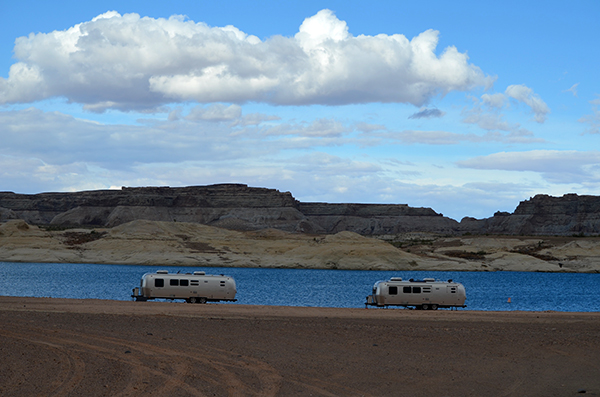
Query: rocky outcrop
[(6, 215), (239, 207), (231, 206), (201, 204), (144, 242), (543, 215), (373, 219)]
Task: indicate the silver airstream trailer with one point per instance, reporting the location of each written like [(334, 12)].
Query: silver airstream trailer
[(197, 287), (426, 294)]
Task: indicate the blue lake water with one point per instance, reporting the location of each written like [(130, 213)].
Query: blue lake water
[(301, 287)]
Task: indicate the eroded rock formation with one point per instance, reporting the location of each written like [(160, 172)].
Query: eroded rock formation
[(569, 215), (239, 207), (231, 206)]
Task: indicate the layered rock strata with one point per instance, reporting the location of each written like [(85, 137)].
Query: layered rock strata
[(543, 215), (239, 207), (231, 206)]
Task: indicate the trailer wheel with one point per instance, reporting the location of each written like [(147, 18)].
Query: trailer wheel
[(193, 299), (425, 306), (202, 300), (434, 307)]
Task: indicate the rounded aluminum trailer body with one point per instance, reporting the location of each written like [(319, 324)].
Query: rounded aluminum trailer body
[(422, 294), (196, 287)]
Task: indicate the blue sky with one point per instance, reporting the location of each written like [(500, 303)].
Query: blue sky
[(464, 107)]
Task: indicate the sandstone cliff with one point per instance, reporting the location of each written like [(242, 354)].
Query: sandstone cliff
[(230, 206), (243, 208), (543, 215)]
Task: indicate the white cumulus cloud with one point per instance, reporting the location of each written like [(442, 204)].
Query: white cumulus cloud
[(494, 100), (130, 62), (527, 96)]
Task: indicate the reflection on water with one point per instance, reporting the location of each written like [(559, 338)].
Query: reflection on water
[(302, 287)]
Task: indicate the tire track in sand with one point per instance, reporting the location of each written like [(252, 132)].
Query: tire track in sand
[(147, 363), (70, 367)]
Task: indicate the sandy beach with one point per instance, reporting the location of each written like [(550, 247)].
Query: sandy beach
[(109, 348)]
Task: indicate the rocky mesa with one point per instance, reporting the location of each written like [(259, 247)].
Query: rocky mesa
[(230, 206), (243, 208)]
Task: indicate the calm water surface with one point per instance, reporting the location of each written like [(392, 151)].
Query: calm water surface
[(302, 287)]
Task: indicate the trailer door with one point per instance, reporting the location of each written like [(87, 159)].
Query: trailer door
[(452, 293)]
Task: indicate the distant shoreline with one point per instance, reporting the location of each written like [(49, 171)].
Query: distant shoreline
[(178, 244), (170, 266), (128, 307)]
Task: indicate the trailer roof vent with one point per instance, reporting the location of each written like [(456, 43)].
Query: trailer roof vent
[(396, 279), (199, 273), (162, 272), (428, 280)]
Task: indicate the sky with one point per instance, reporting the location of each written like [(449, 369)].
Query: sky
[(465, 107)]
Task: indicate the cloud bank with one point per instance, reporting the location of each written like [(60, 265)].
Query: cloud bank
[(128, 62), (567, 166)]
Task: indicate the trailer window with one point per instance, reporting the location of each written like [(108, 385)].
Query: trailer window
[(184, 283), (159, 282), (174, 281), (393, 290), (426, 290), (194, 282), (406, 290), (416, 290)]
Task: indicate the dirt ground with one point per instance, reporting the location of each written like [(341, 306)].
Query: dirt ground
[(115, 348)]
